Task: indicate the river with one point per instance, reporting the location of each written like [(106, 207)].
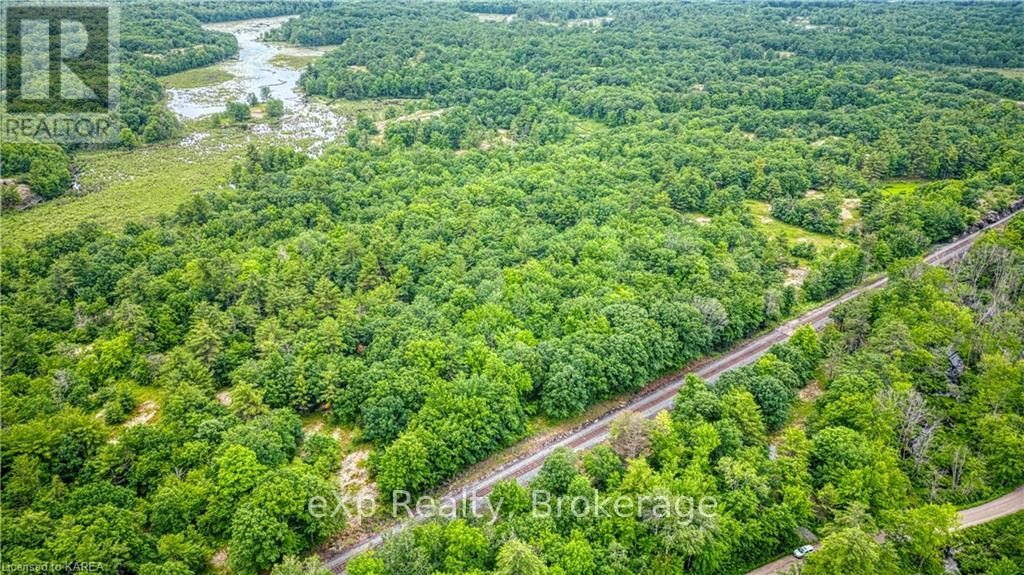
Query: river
[(305, 121)]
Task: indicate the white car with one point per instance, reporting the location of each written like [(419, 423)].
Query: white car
[(801, 552)]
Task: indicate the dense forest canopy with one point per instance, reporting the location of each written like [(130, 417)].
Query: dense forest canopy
[(225, 10), (892, 441), (586, 196)]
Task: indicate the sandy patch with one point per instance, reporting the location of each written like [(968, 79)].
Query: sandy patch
[(501, 139), (355, 486), (795, 276), (27, 198), (220, 558), (144, 413), (846, 211), (485, 17), (414, 117), (224, 397), (600, 21), (811, 391), (312, 428)]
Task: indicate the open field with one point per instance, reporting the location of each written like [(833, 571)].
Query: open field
[(792, 234), (294, 61), (117, 186), (197, 77), (901, 186), (1017, 73), (376, 109)]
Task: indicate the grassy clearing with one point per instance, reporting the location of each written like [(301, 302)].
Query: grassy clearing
[(804, 403), (197, 77), (994, 199), (117, 186), (320, 422), (1017, 73), (587, 128), (297, 57), (293, 61), (148, 393), (419, 116), (120, 185), (895, 187), (147, 411), (377, 110), (792, 234)]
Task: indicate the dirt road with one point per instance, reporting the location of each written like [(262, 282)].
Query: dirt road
[(1005, 505), (593, 433)]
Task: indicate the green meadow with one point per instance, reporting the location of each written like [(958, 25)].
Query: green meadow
[(197, 77), (117, 186), (772, 227)]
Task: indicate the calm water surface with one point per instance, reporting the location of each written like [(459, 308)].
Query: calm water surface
[(251, 70)]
